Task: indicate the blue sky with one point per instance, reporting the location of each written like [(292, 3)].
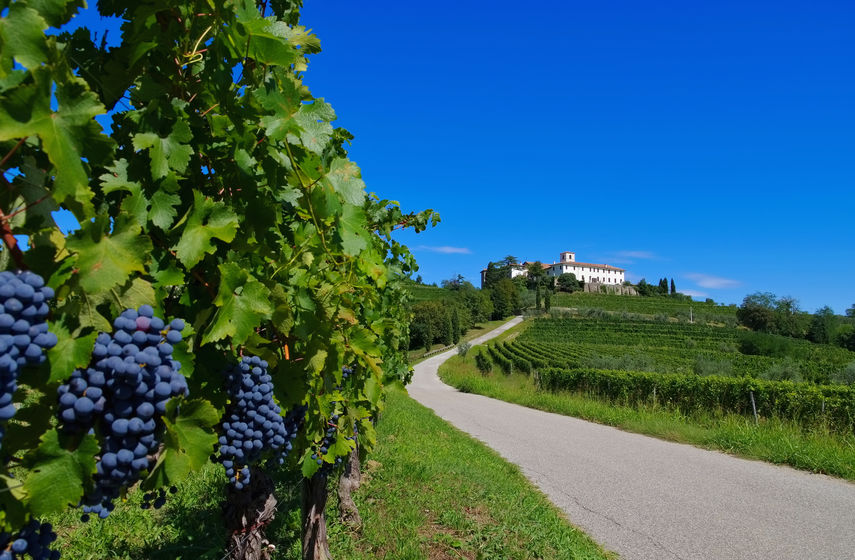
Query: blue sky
[(709, 142)]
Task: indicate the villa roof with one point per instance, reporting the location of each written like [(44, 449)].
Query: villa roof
[(592, 265)]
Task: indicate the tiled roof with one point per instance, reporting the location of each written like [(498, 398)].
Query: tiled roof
[(591, 265)]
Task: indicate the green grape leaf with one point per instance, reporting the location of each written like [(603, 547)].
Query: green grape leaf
[(110, 260), (71, 352), (21, 33), (340, 448), (58, 474), (208, 220), (56, 12), (137, 292), (310, 466), (315, 136), (242, 301), (265, 41), (163, 210), (353, 230), (171, 276), (169, 152), (25, 111), (367, 434), (134, 204), (346, 179), (188, 439), (29, 198)]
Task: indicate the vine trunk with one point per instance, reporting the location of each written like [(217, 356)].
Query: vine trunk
[(315, 544), (347, 484), (247, 512)]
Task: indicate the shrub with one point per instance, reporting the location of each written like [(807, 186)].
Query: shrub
[(785, 370), (463, 349), (708, 366), (846, 376)]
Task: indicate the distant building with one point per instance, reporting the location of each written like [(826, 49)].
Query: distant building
[(589, 273)]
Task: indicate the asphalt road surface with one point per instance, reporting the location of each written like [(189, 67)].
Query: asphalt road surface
[(649, 499)]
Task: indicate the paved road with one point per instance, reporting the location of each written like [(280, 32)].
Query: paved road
[(649, 499)]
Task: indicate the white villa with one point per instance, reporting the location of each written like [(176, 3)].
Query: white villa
[(587, 272)]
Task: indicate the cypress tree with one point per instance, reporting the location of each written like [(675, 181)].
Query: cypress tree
[(673, 287)]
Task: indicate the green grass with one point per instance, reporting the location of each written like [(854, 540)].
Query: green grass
[(772, 440), (429, 492)]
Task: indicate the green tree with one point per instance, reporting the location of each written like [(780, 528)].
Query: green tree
[(547, 300), (567, 282), (846, 338), (535, 274), (822, 326), (505, 298), (645, 289), (537, 297), (757, 312), (455, 325), (454, 283), (494, 273), (428, 339), (788, 318), (673, 287)]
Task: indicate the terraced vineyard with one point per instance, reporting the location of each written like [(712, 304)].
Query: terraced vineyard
[(688, 366), (702, 311)]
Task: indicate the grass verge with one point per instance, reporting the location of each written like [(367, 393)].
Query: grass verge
[(429, 492), (435, 493), (773, 440)]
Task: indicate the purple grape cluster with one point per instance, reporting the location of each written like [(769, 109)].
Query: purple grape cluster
[(329, 439), (34, 540), (24, 334), (130, 379), (253, 424)]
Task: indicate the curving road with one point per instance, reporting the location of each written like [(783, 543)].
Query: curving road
[(649, 499)]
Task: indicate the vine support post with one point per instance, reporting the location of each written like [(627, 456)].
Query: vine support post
[(246, 513), (315, 544)]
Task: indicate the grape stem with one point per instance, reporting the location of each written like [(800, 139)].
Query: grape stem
[(8, 156), (10, 241)]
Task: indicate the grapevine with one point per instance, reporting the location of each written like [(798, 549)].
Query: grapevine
[(222, 193)]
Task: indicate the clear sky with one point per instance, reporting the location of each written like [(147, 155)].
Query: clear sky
[(711, 142)]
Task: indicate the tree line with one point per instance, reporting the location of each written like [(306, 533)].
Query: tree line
[(765, 312)]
